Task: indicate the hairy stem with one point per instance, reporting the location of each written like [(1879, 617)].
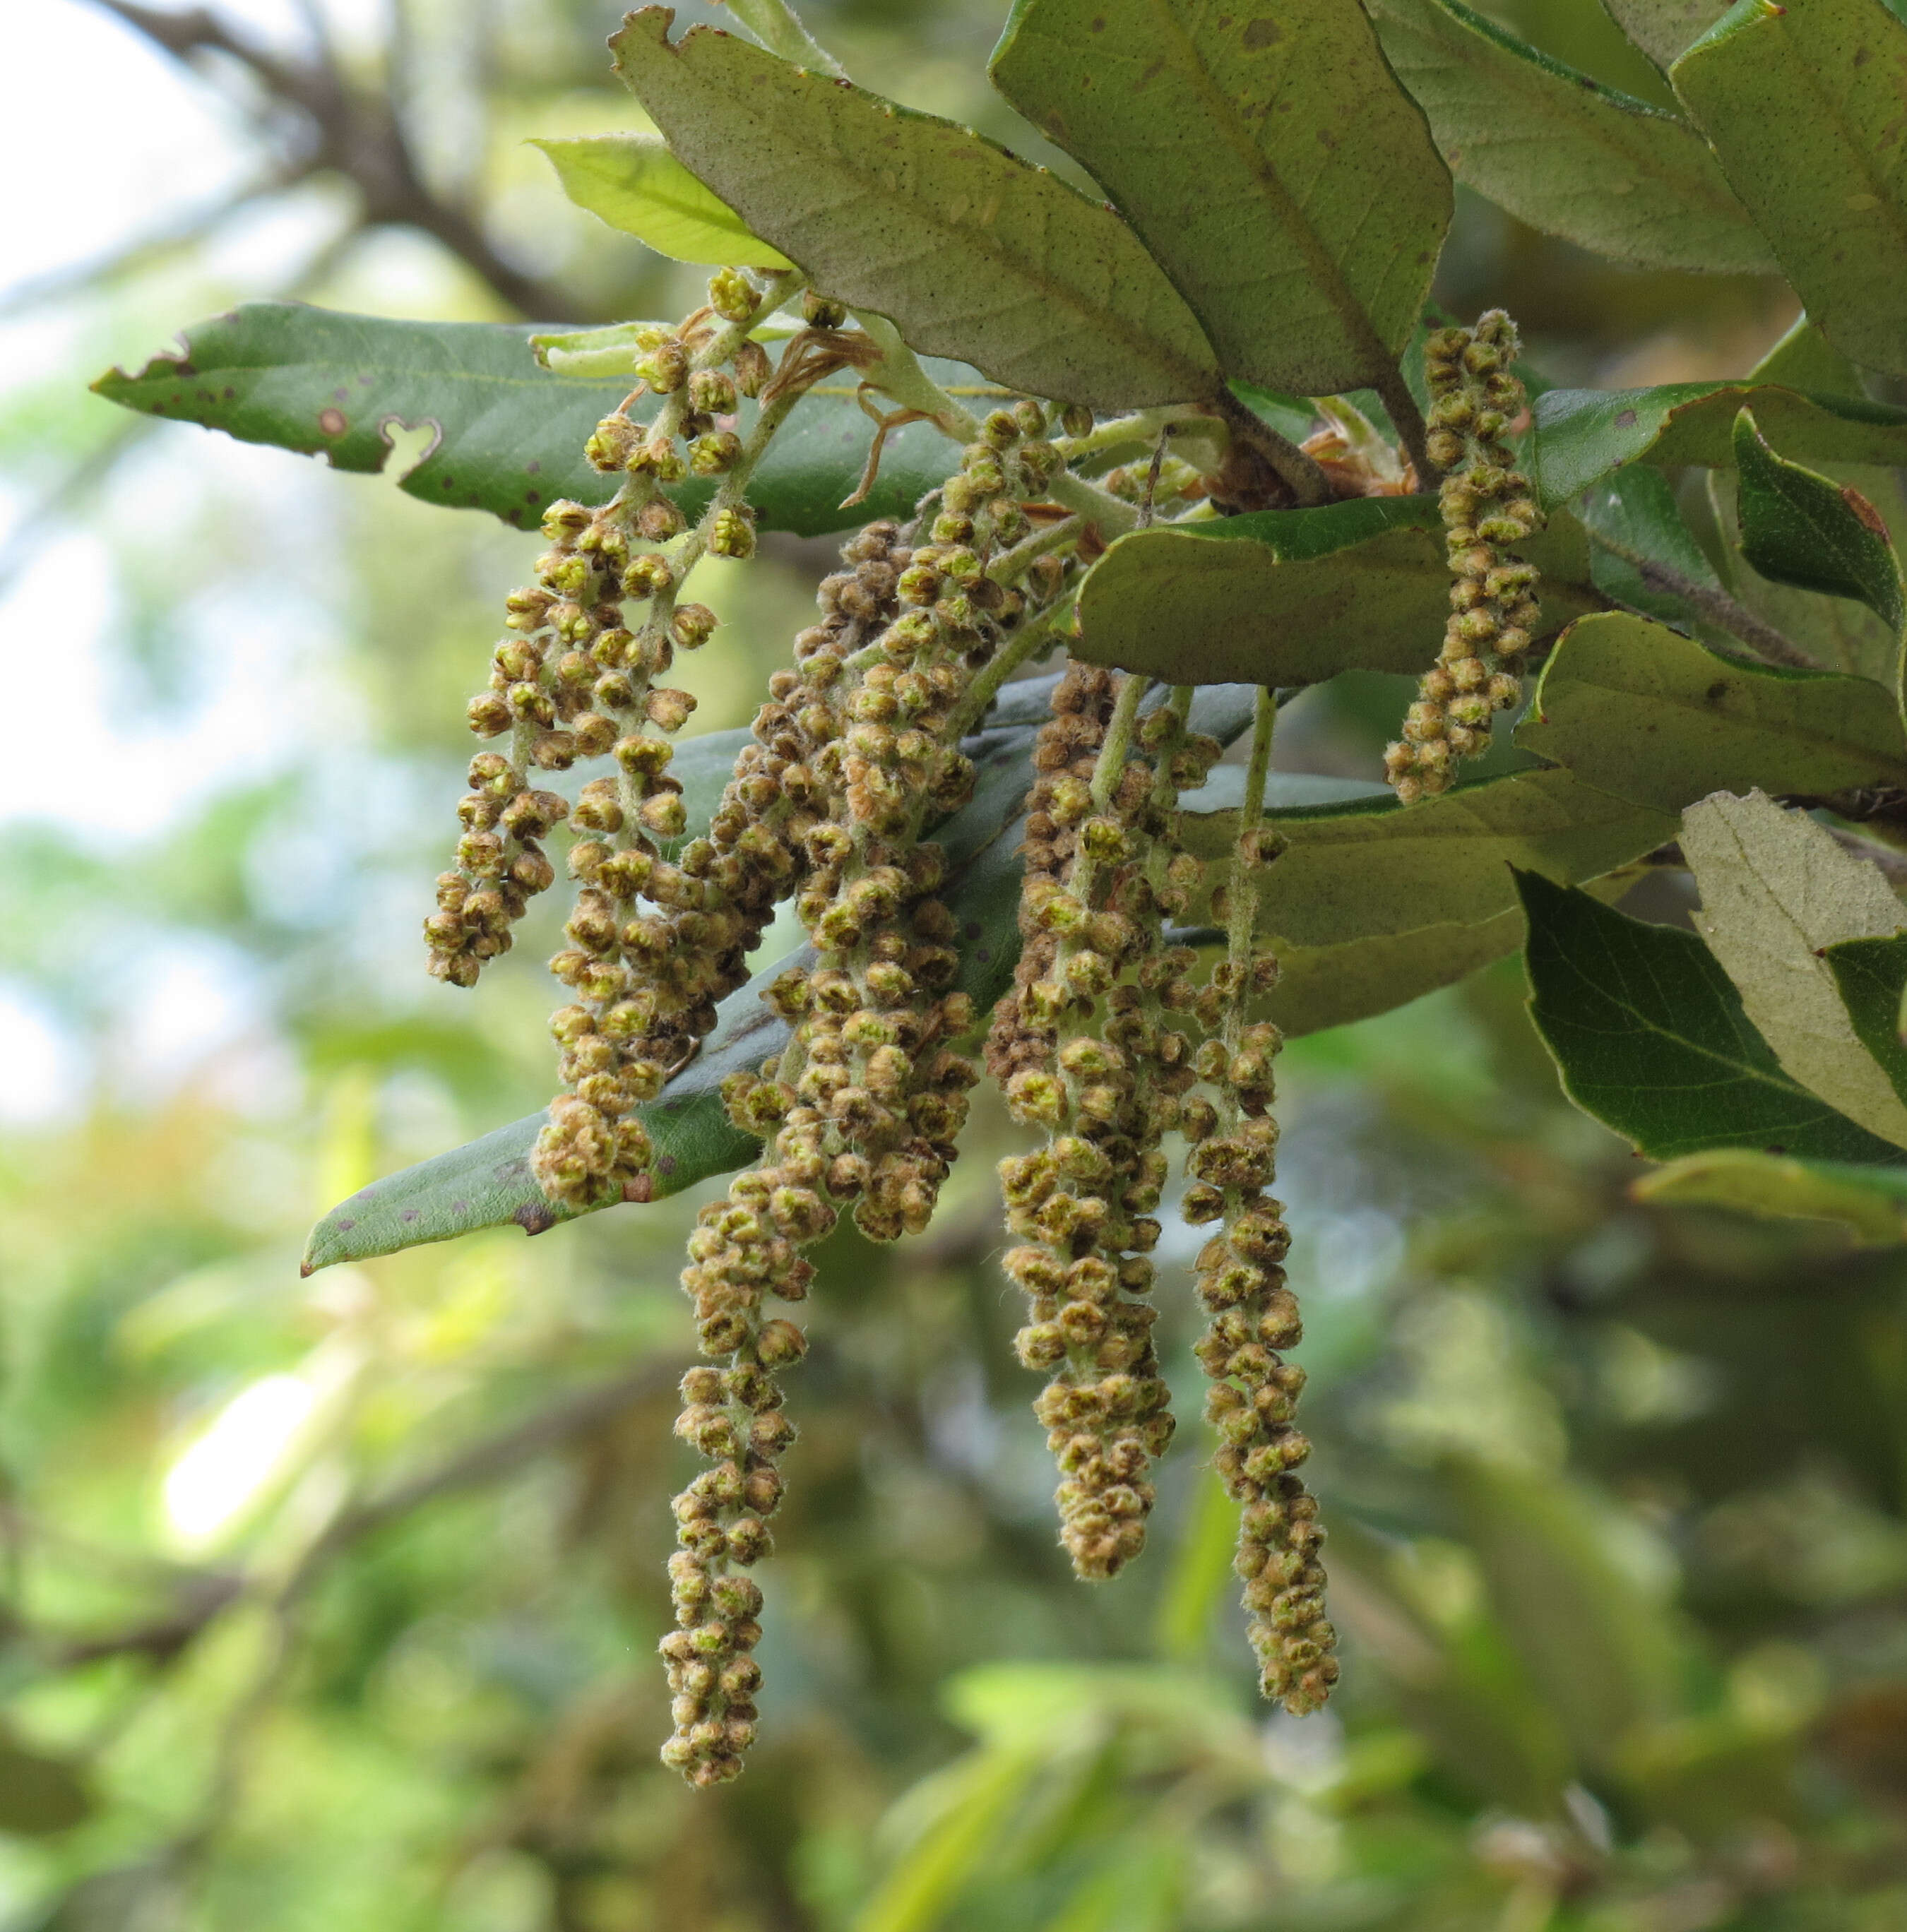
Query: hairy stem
[(1303, 477), (1713, 602), (1394, 392), (1241, 884)]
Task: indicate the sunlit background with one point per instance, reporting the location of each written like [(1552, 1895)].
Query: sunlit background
[(333, 1603)]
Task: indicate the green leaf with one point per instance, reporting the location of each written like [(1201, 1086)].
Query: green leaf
[(1835, 632), (634, 183), (1371, 867), (1638, 710), (1870, 975), (1286, 597), (1802, 105), (1270, 162), (1636, 530), (1650, 1037), (1581, 435), (1324, 986), (1800, 529), (1561, 151), (968, 251), (1776, 891), (508, 435), (1600, 1652), (1871, 1201), (1805, 359), (1664, 28)]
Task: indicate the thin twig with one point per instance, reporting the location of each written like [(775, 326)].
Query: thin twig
[(1712, 602)]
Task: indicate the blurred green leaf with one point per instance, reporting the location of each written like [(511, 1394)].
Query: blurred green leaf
[(1802, 104), (1286, 597), (1640, 711), (1563, 153), (39, 1795), (634, 183), (508, 434), (1664, 28), (1599, 1651), (1650, 1037), (887, 210), (1581, 435), (1776, 892), (1305, 254), (1800, 528), (1871, 1201)]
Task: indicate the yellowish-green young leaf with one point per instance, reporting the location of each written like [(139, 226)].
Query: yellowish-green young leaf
[(1664, 28), (1802, 103), (1638, 709), (1563, 153), (634, 183), (1268, 158), (1871, 1201), (1777, 890), (971, 252)]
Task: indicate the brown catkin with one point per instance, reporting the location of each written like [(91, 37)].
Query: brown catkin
[(861, 1110), (1487, 508), (1253, 1316), (1083, 1050)]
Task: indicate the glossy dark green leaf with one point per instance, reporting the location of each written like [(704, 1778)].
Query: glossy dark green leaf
[(1224, 134), (1561, 151), (1287, 597), (1871, 976), (1581, 435), (1800, 528), (1369, 867), (1640, 546), (634, 183), (1802, 104), (1870, 1200), (1650, 1037), (508, 435), (971, 252), (1639, 710)]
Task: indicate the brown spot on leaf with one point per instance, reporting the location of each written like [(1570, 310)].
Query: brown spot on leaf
[(1715, 691), (535, 1217), (667, 1163), (533, 470), (642, 1188), (1870, 518), (332, 422), (1098, 23), (345, 1227), (1261, 33), (1626, 419)]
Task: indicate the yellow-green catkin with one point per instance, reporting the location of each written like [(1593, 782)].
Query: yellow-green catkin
[(1488, 508), (1253, 1316), (1082, 1048), (861, 1110)]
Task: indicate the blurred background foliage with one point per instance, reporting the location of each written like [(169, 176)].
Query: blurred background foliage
[(333, 1603)]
